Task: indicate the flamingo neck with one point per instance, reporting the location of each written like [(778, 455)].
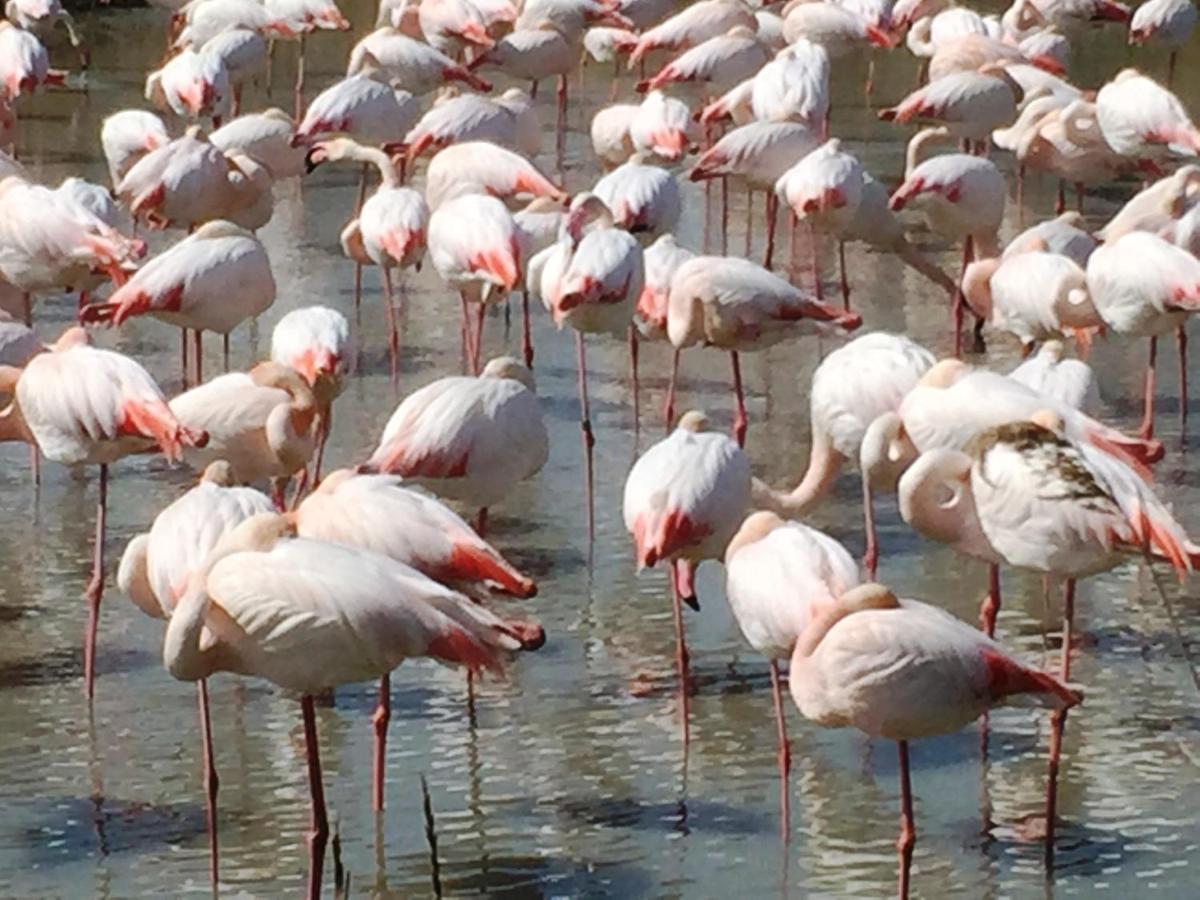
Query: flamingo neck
[(916, 147), (864, 597), (13, 427), (182, 654), (824, 466)]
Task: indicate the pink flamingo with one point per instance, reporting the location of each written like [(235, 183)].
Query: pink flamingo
[(354, 616), (778, 577), (418, 66), (471, 439), (266, 137), (903, 670), (193, 85), (643, 198), (1143, 120), (691, 26), (157, 565), (376, 513), (685, 498), (508, 120), (84, 406), (1163, 24), (717, 64), (482, 167), (128, 135)]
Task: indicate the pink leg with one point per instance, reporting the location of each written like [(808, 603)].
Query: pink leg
[(845, 280), (467, 340), (1060, 199), (669, 408), (633, 378), (322, 437), (960, 301), (1058, 721), (784, 755), (724, 216), (526, 333), (95, 588), (749, 222), (299, 88), (1020, 195), (211, 782), (481, 518), (814, 259), (318, 834), (1171, 69), (477, 346), (358, 278), (27, 309), (183, 356), (1146, 431), (585, 427), (225, 351), (990, 608), (772, 207), (389, 305), (198, 349), (740, 420), (871, 555), (561, 121), (1079, 191), (380, 719), (681, 659), (908, 828), (1181, 341)]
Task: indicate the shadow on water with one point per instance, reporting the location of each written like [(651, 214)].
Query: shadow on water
[(680, 816), (529, 876), (66, 663), (82, 826), (1081, 850)]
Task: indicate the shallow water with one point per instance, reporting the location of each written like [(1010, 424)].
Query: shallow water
[(570, 779)]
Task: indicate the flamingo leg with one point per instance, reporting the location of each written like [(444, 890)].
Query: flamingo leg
[(95, 588), (842, 270), (990, 608), (1060, 199), (183, 356), (211, 782), (481, 519), (681, 656), (908, 828), (749, 222), (322, 438), (1020, 195), (871, 554), (526, 332), (1058, 721), (560, 137), (814, 258), (772, 209), (477, 346), (225, 350), (1146, 430), (198, 348), (669, 407), (960, 300), (380, 719), (27, 309), (389, 305), (1171, 69), (740, 419), (724, 216), (467, 340), (1181, 341), (1079, 197), (633, 377), (358, 277), (299, 88), (585, 428), (318, 834), (784, 755)]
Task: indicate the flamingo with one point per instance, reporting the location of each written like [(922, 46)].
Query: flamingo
[(1156, 208), (661, 260), (691, 26), (970, 52), (661, 127), (481, 167), (736, 105), (589, 280), (471, 439), (353, 615), (717, 64), (968, 105), (265, 137), (1144, 286), (80, 405), (853, 386), (735, 305), (362, 106), (643, 198), (376, 513), (778, 577), (213, 280), (417, 66), (483, 262), (244, 55), (201, 22), (838, 29), (532, 54), (1141, 119), (450, 26), (962, 198), (154, 573), (1062, 235), (299, 19), (508, 121), (794, 86), (187, 182), (1027, 496), (24, 64), (262, 422), (609, 130), (40, 16), (1034, 295), (128, 135), (902, 670), (389, 230), (193, 85), (1166, 24), (685, 498), (758, 153)]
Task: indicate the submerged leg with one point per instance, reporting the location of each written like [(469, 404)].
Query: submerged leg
[(669, 407), (1181, 341), (95, 588), (1058, 721), (908, 828), (784, 755), (990, 608), (633, 378), (1146, 430), (681, 656), (318, 834), (211, 782), (585, 428), (380, 719), (740, 420)]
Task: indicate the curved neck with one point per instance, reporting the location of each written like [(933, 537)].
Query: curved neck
[(916, 147), (824, 466), (182, 654), (380, 160), (13, 427)]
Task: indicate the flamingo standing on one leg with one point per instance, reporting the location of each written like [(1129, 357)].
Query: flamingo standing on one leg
[(85, 406), (903, 670), (778, 577), (155, 569), (685, 498)]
